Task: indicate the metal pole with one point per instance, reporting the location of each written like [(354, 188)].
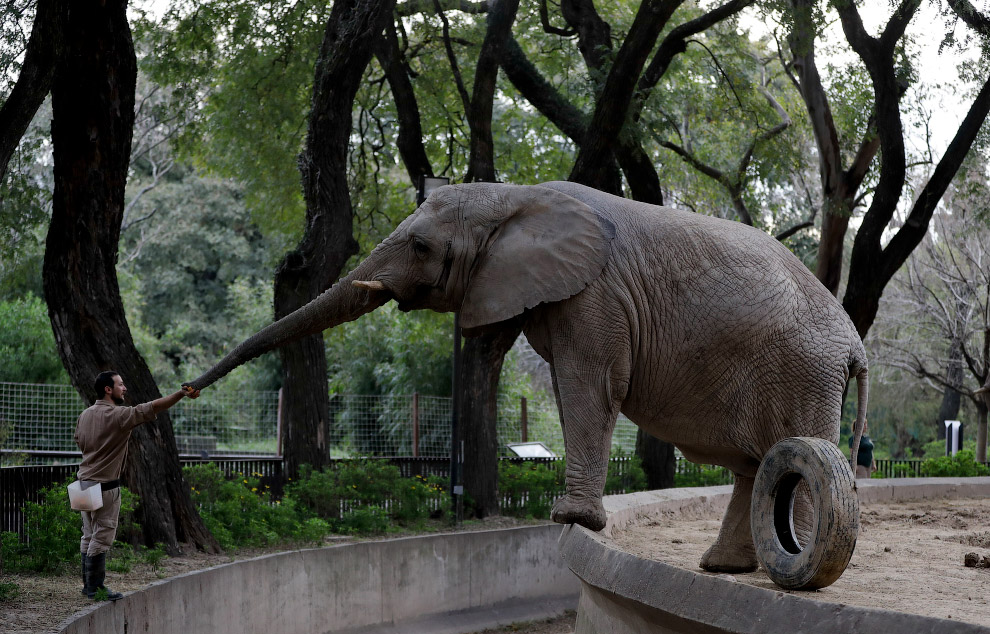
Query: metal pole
[(456, 446), (278, 425), (415, 429), (524, 419)]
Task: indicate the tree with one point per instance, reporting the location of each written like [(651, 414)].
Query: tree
[(874, 260), (937, 319), (483, 354), (352, 32), (93, 106)]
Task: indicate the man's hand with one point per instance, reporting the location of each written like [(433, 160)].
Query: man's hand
[(189, 391)]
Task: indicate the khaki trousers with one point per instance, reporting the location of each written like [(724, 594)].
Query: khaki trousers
[(99, 527)]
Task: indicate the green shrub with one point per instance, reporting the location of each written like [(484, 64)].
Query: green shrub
[(121, 558), (699, 475), (154, 557), (632, 477), (354, 486), (53, 531), (239, 513), (363, 520), (963, 464), (898, 470), (11, 552), (9, 591), (528, 489)]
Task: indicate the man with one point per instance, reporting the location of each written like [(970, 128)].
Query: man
[(102, 433)]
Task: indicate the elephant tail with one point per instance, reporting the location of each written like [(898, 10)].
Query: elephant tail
[(861, 373)]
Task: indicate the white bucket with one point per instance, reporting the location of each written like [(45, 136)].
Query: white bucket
[(85, 495)]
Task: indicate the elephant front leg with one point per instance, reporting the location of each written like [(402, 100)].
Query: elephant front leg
[(734, 551), (587, 415)]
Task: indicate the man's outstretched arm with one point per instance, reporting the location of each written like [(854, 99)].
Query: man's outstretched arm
[(165, 402)]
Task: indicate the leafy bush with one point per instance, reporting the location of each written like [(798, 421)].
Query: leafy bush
[(963, 464), (528, 489), (699, 475), (53, 532), (363, 487), (239, 512), (9, 591), (625, 480)]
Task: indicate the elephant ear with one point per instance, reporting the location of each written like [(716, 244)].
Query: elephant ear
[(547, 247)]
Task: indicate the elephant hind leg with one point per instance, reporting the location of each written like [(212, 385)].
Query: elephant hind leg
[(733, 550)]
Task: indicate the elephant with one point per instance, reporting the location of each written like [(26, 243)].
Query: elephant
[(707, 333)]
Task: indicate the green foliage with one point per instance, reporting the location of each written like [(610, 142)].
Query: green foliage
[(27, 344), (241, 513), (700, 475), (9, 591), (204, 284), (897, 470), (350, 495), (528, 488), (628, 477), (11, 551), (961, 465), (154, 557), (53, 533)]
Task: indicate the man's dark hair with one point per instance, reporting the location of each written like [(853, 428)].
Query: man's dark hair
[(103, 380)]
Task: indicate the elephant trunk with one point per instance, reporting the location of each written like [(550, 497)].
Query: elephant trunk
[(340, 303)]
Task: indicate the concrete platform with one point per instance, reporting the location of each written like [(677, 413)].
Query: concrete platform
[(625, 594)]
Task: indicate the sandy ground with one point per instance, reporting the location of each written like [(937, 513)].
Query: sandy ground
[(909, 557)]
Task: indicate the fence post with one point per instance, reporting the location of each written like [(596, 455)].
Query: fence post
[(278, 425), (415, 429), (523, 419)]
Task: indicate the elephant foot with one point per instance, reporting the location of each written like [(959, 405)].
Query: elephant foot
[(732, 559), (574, 510)]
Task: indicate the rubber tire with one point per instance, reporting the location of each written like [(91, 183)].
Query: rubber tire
[(835, 505)]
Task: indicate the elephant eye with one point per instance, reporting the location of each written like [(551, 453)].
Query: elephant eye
[(420, 247)]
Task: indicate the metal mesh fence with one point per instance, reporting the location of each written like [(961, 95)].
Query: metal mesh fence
[(43, 418)]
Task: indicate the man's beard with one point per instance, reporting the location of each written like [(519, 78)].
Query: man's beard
[(118, 401)]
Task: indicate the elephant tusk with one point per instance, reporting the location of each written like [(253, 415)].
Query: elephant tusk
[(982, 390), (373, 285)]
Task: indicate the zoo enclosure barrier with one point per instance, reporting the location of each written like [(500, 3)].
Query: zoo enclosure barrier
[(37, 417), (22, 484)]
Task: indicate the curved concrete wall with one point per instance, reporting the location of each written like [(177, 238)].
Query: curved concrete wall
[(438, 584), (624, 594)]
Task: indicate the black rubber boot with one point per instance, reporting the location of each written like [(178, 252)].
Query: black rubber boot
[(85, 576), (97, 574)]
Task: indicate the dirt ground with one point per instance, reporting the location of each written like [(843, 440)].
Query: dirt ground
[(45, 601), (909, 557)]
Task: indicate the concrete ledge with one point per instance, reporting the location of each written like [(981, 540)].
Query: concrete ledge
[(445, 584), (622, 593)]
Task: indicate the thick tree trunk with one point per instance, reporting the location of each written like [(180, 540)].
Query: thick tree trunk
[(482, 357), (35, 79), (93, 103), (481, 162), (481, 366), (352, 31), (659, 460)]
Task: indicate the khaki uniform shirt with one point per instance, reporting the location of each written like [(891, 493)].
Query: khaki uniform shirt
[(102, 433)]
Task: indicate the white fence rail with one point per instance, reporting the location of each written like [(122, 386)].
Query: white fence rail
[(43, 418)]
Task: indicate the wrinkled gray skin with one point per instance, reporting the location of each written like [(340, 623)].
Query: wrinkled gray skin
[(706, 333)]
